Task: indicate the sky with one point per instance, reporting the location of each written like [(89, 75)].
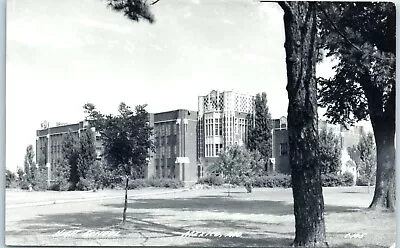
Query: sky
[(63, 54)]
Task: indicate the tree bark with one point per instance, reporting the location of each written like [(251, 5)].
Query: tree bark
[(300, 47), (383, 120), (126, 200), (384, 132)]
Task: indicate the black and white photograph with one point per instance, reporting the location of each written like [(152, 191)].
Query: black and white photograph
[(200, 123)]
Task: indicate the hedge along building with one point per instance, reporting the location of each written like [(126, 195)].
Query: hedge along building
[(224, 120)]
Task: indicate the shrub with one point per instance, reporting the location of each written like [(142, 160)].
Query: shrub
[(335, 180), (233, 181), (165, 183), (39, 181), (137, 184), (363, 181), (211, 180), (111, 179), (60, 186), (273, 181), (83, 184), (155, 182), (347, 178), (10, 178), (24, 184), (331, 180)]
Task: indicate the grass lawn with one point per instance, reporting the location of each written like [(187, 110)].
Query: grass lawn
[(264, 218)]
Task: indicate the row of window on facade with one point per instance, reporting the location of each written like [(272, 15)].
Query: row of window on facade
[(166, 151), (164, 170), (214, 127), (165, 140), (213, 150), (167, 129)]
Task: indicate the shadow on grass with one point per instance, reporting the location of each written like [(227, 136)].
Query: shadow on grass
[(226, 205), (354, 192), (143, 226)]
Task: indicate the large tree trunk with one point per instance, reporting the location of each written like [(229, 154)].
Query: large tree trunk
[(300, 46), (383, 119), (384, 131)]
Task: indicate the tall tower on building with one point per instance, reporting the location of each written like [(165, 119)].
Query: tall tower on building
[(223, 120)]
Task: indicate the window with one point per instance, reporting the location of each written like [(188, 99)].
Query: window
[(211, 129), (207, 128), (168, 129), (216, 126), (217, 149), (284, 149), (168, 151), (163, 151)]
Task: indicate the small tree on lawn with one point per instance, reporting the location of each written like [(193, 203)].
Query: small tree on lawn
[(238, 164), (95, 175), (10, 178), (29, 164), (22, 179), (40, 178), (86, 158), (367, 151), (126, 139), (70, 155), (260, 134), (62, 175), (329, 152)]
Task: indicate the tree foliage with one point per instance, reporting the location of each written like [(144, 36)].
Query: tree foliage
[(329, 151), (62, 175), (29, 163), (132, 9), (361, 36), (87, 153), (70, 157), (366, 59), (260, 136), (126, 139), (366, 151), (11, 178), (237, 164)]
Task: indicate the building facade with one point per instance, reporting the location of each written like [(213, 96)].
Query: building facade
[(223, 120), (280, 143), (175, 136), (49, 142), (186, 141), (280, 147)]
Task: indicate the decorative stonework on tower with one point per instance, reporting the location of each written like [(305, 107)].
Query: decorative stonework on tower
[(224, 119)]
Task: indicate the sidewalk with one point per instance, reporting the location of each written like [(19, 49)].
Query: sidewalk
[(16, 199)]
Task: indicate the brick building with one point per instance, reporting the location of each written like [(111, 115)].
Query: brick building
[(49, 140), (175, 135), (174, 138), (280, 142), (223, 120)]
